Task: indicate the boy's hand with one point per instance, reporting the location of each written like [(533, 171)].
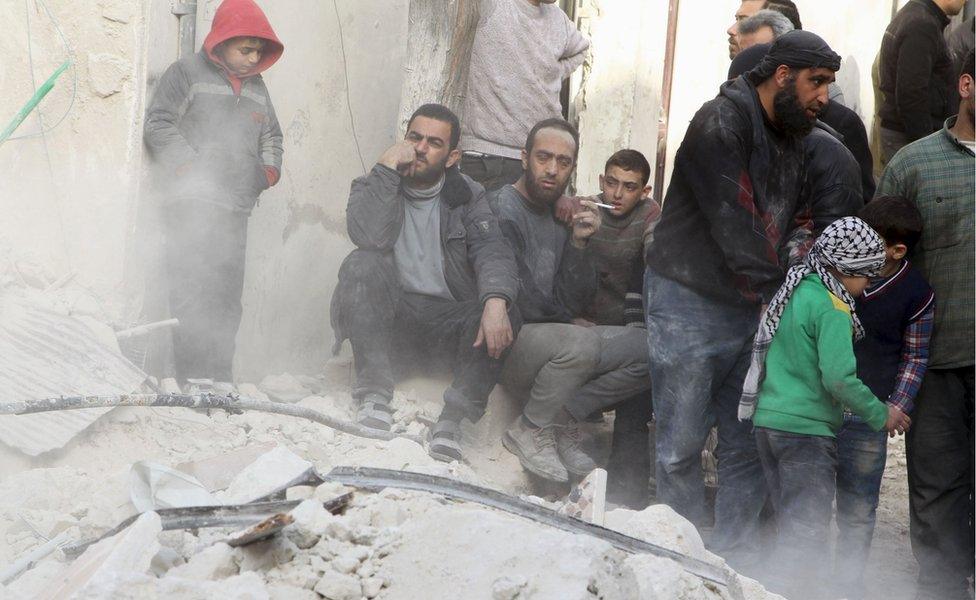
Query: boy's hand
[(898, 422), (400, 157), (585, 223), (495, 330)]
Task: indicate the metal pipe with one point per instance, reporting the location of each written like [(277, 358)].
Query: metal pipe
[(662, 139), (186, 11)]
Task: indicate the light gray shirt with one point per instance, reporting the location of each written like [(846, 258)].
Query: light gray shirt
[(417, 252)]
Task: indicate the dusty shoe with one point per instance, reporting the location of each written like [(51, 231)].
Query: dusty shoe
[(375, 412), (444, 438), (569, 439), (535, 448)]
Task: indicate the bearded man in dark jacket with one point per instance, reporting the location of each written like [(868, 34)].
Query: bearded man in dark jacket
[(215, 145), (732, 218), (431, 279)]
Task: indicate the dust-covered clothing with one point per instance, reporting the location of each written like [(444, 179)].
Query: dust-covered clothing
[(618, 249), (733, 210), (520, 57), (418, 255), (215, 145), (833, 179), (210, 133), (558, 280), (386, 322)]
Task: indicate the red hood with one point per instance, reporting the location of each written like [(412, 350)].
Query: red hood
[(237, 18)]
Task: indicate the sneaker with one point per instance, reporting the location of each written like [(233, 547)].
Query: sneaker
[(569, 445), (375, 412), (535, 448), (444, 438)]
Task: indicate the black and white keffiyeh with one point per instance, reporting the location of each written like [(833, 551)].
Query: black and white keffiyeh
[(848, 245)]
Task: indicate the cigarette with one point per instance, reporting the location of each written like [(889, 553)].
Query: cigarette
[(602, 205)]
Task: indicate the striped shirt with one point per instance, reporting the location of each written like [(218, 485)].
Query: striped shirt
[(938, 173)]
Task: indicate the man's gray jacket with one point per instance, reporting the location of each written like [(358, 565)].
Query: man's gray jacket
[(478, 264)]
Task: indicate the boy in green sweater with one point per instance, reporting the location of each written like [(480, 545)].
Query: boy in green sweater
[(803, 373)]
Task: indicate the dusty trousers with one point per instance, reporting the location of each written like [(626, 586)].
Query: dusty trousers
[(940, 483), (204, 253), (393, 333)]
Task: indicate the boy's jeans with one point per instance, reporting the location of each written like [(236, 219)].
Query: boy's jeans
[(699, 355), (800, 472), (861, 454)]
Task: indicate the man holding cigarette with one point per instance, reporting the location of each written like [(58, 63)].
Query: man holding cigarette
[(551, 358)]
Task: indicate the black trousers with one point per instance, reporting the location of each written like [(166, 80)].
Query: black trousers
[(940, 483), (629, 469), (492, 172), (393, 333), (204, 250)]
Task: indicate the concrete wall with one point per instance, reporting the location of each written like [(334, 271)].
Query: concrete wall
[(65, 196), (297, 235)]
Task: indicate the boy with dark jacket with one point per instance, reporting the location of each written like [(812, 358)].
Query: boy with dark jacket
[(216, 145), (897, 311)]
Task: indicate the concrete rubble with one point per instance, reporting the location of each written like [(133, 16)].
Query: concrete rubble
[(390, 544)]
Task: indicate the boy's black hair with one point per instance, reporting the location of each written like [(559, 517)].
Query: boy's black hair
[(630, 160), (553, 123), (968, 67), (895, 218), (439, 112)]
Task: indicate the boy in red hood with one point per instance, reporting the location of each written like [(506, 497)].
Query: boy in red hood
[(215, 145)]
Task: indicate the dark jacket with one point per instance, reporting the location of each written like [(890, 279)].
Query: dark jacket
[(733, 210), (211, 134), (574, 275), (851, 131), (833, 180), (915, 71), (478, 264)]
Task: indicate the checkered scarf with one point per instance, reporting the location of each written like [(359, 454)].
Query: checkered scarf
[(848, 245)]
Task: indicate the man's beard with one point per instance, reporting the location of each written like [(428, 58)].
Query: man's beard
[(431, 174), (540, 194), (790, 116)]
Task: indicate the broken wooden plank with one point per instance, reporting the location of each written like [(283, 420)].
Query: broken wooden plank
[(260, 531)]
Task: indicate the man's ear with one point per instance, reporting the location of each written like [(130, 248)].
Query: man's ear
[(452, 158), (965, 86), (601, 184), (646, 193), (898, 251), (781, 76), (525, 160)]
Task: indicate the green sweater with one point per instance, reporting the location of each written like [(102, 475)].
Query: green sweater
[(811, 374)]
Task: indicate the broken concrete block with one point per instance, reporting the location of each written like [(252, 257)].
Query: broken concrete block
[(216, 562), (336, 586), (249, 390), (508, 587), (299, 492), (261, 556), (329, 490), (311, 520), (284, 388), (103, 564), (660, 524), (165, 559), (271, 471), (345, 564), (217, 472), (372, 587), (107, 74)]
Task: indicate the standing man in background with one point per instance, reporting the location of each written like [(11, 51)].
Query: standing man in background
[(523, 51), (915, 73), (215, 144), (938, 173)]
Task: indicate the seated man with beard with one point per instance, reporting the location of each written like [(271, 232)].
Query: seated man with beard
[(732, 215), (431, 279), (552, 358)]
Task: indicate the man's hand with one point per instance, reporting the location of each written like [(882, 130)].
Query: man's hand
[(585, 222), (400, 157), (496, 329), (566, 206), (898, 422)]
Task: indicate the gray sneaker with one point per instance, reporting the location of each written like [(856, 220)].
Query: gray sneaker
[(569, 439), (535, 448)]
